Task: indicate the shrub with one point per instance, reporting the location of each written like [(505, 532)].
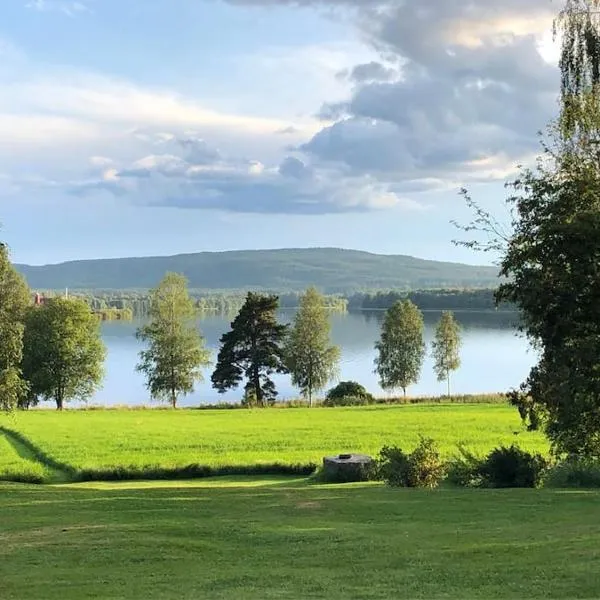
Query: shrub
[(346, 401), (422, 468), (574, 473), (513, 468), (348, 393), (465, 470)]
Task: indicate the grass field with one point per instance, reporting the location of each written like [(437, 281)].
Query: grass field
[(289, 539), (17, 465), (138, 441)]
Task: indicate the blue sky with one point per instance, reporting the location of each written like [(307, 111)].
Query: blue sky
[(154, 127)]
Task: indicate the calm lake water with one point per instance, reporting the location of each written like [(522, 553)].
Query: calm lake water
[(494, 358)]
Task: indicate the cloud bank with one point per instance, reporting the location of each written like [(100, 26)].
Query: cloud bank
[(456, 95)]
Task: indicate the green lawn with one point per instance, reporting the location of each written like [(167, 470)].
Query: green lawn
[(17, 464), (103, 440), (289, 539)]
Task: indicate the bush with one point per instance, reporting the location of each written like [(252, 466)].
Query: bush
[(347, 401), (574, 473), (513, 468), (348, 393), (423, 468), (465, 470)]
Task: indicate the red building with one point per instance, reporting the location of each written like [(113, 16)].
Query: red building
[(39, 299)]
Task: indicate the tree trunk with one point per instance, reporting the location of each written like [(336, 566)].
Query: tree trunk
[(448, 378), (173, 399), (257, 389), (309, 398), (59, 403), (404, 390)]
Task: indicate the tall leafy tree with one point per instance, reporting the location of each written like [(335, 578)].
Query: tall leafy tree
[(401, 348), (63, 353), (311, 358), (14, 299), (446, 347), (253, 350), (551, 255), (176, 354)]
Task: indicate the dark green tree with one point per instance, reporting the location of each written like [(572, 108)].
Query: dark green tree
[(253, 350), (310, 357), (551, 256), (401, 348), (446, 347), (176, 354), (14, 299), (63, 353)]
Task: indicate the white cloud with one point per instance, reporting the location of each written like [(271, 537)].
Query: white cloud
[(70, 8), (241, 185)]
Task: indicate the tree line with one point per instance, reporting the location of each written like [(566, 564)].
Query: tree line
[(257, 346), (125, 305), (128, 305), (54, 351)]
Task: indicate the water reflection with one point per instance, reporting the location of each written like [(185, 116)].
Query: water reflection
[(494, 357)]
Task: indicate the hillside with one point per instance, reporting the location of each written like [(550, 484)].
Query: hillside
[(332, 270)]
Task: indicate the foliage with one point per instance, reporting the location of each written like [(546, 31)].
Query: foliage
[(14, 299), (348, 401), (348, 393), (459, 299), (574, 473), (176, 355), (310, 358), (401, 348), (63, 353), (579, 25), (553, 263), (446, 347), (512, 468), (550, 258), (422, 468), (252, 349), (464, 470)]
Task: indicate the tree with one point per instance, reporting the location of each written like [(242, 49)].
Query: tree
[(401, 349), (14, 299), (63, 353), (310, 357), (446, 347), (252, 349), (550, 259), (176, 354)]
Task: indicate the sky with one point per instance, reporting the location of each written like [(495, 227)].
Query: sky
[(158, 127)]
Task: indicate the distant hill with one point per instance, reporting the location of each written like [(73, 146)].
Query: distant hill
[(332, 270)]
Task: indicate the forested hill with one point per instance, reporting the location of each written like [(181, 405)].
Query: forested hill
[(332, 270)]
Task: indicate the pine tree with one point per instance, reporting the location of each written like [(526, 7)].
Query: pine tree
[(176, 355), (401, 349), (252, 350), (310, 357), (446, 347)]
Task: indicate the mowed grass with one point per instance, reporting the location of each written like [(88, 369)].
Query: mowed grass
[(17, 465), (290, 539), (142, 439)]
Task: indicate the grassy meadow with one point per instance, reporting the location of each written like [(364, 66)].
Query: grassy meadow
[(16, 464), (278, 538), (135, 442)]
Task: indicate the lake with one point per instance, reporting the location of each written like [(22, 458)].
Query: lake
[(494, 358)]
